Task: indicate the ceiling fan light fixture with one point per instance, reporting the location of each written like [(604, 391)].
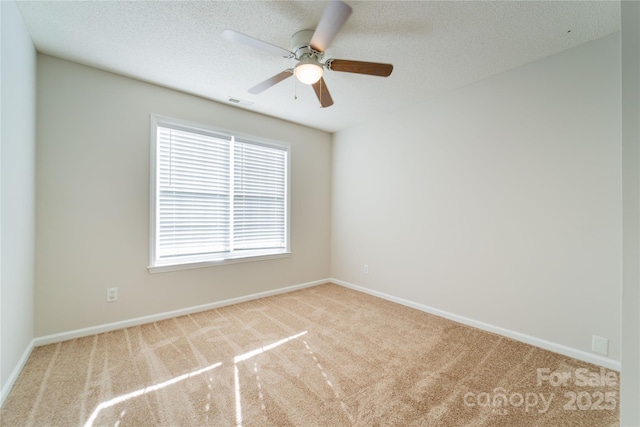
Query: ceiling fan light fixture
[(308, 72)]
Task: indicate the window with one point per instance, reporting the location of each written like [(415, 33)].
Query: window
[(216, 197)]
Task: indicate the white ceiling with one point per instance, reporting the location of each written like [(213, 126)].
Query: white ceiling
[(435, 46)]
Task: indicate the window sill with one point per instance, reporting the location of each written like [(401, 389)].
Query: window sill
[(204, 264)]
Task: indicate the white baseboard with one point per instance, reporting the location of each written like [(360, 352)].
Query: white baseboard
[(6, 388), (605, 362), (78, 333)]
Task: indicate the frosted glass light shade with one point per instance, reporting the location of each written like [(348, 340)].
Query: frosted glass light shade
[(308, 73)]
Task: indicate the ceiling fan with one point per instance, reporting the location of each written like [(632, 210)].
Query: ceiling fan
[(308, 47)]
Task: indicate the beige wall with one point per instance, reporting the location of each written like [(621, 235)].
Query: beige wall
[(499, 202), (630, 378), (17, 193), (93, 201)]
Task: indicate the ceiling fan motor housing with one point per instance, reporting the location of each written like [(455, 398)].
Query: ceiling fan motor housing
[(301, 46)]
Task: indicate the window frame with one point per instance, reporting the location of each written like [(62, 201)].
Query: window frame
[(187, 126)]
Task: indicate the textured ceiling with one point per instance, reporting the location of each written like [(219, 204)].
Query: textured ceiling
[(435, 46)]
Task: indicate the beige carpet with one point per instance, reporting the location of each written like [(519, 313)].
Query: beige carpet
[(322, 356)]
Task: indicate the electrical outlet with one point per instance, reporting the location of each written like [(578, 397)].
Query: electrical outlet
[(366, 269), (112, 294), (599, 345)]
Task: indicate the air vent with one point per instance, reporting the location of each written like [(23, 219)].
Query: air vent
[(237, 101)]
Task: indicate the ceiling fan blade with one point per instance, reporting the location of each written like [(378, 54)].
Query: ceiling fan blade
[(261, 87), (320, 87), (360, 67), (238, 37), (333, 18)]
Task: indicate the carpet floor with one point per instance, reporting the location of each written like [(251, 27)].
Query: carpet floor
[(321, 356)]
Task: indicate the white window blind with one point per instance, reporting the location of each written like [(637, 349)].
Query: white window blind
[(216, 197), (259, 197)]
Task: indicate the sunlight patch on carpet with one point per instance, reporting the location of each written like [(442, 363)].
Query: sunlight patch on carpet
[(145, 390)]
